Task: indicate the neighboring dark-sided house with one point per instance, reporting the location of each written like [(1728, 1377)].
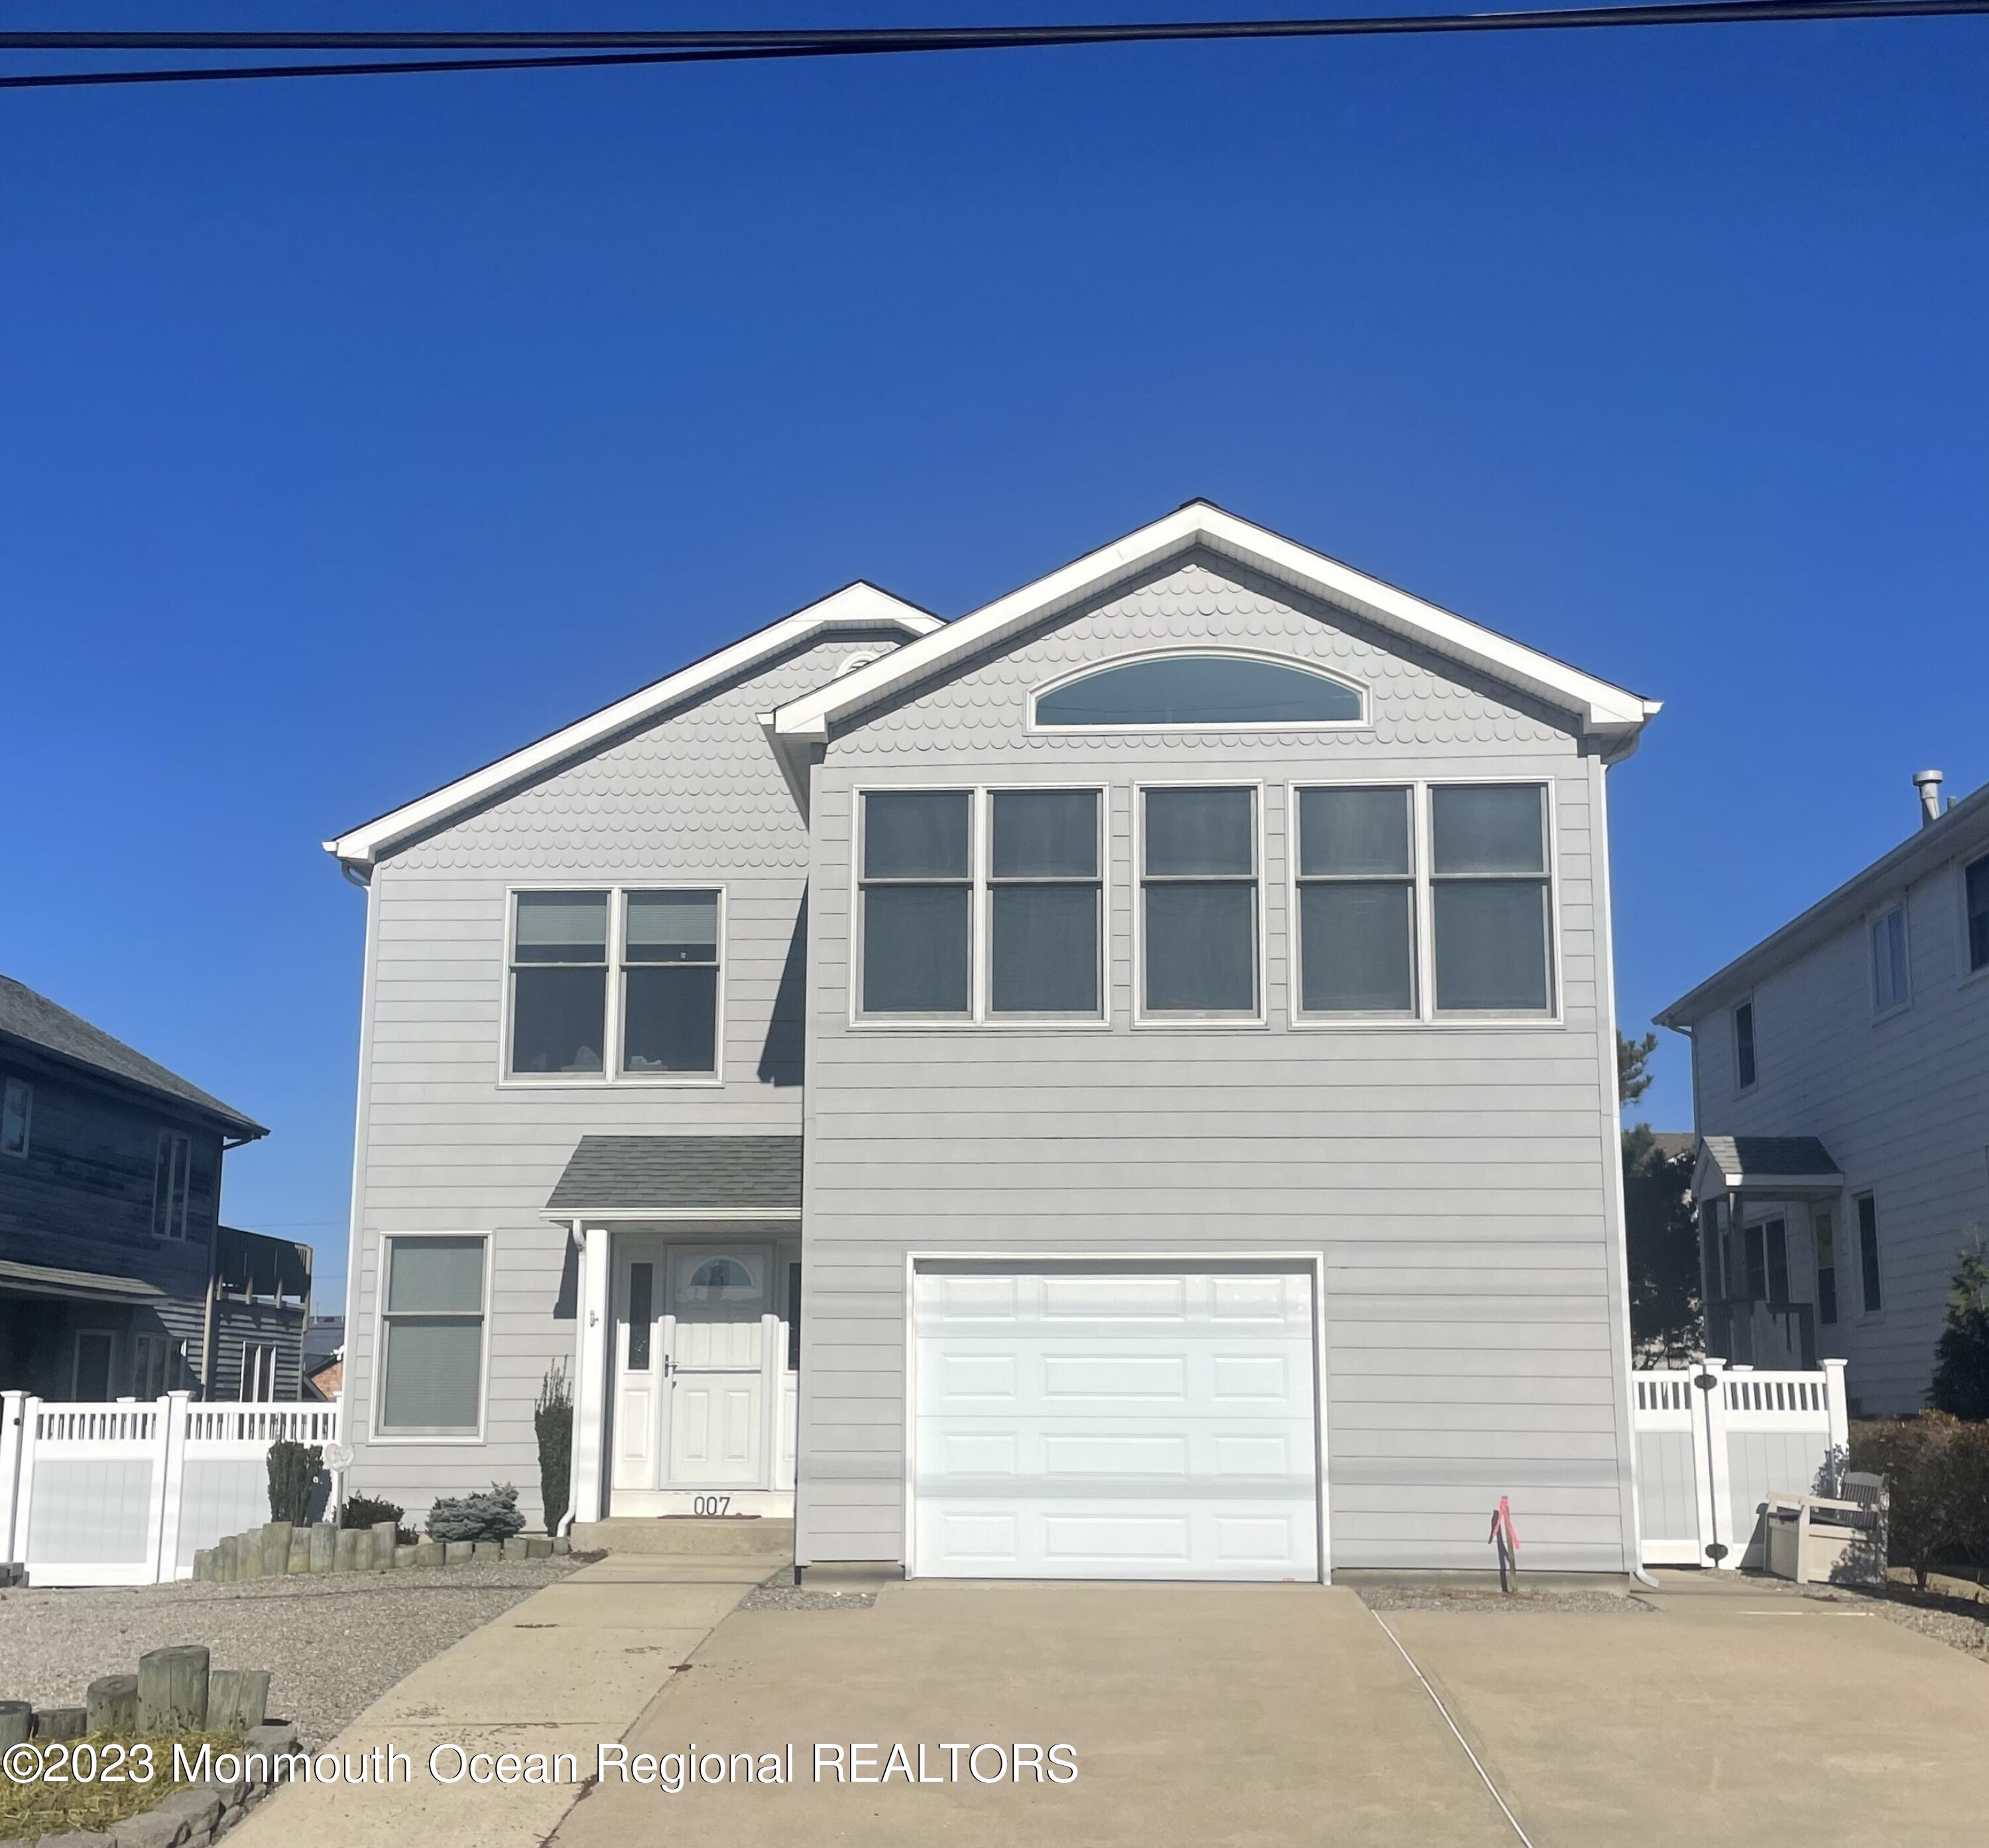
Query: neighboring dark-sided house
[(116, 1278)]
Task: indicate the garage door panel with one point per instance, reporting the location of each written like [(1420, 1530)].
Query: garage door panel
[(1115, 1426)]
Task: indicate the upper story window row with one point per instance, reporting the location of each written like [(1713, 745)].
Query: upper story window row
[(1410, 904), (619, 986)]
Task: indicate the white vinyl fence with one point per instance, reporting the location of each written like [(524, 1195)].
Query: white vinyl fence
[(125, 1493), (1714, 1441)]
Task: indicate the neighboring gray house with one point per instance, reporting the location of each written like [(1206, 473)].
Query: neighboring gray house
[(1199, 961), (116, 1278), (1841, 1086)]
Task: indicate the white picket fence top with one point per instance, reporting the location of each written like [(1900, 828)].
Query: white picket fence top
[(124, 1493)]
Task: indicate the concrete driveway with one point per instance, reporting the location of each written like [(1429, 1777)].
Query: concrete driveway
[(1282, 1714)]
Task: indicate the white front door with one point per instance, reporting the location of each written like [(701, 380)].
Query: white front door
[(721, 1301), (1130, 1422), (695, 1343)]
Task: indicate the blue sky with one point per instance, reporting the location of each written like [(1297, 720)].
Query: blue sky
[(356, 432)]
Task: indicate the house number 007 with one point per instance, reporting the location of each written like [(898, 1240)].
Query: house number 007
[(710, 1504)]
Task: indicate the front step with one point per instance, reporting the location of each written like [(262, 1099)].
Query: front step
[(764, 1538)]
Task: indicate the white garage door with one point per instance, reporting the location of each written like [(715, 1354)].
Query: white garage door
[(1125, 1423)]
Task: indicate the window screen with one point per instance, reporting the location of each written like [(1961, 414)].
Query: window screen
[(559, 982), (1199, 689), (1198, 895), (1490, 899), (1045, 903), (1357, 902), (917, 899), (433, 1324), (669, 982)]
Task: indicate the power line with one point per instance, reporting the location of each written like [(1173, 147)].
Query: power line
[(560, 50)]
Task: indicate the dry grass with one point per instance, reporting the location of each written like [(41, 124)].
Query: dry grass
[(49, 1807)]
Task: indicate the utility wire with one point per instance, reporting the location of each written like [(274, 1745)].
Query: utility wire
[(558, 50)]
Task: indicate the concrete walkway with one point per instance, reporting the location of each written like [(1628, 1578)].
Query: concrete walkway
[(572, 1666)]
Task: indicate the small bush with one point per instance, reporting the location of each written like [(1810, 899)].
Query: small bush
[(293, 1469), (370, 1510), (490, 1515), (1937, 1472), (552, 1417)]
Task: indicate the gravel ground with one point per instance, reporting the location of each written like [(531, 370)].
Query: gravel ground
[(1521, 1603), (779, 1592), (333, 1645)]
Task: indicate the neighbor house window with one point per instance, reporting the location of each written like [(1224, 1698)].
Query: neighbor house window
[(917, 901), (17, 1111), (1199, 902), (1357, 902), (1213, 691), (159, 1364), (1975, 886), (172, 1180), (259, 1371), (1744, 1043), (431, 1320), (559, 982), (1489, 898), (669, 982), (1888, 960), (1046, 902), (1824, 1228), (1867, 1251)]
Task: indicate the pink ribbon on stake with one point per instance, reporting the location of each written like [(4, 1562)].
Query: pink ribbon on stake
[(1501, 1523)]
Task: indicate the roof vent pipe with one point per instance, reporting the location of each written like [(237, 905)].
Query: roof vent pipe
[(1928, 783)]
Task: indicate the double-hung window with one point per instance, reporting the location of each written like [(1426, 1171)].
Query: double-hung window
[(1975, 899), (615, 984), (917, 903), (1045, 900), (1490, 899), (1357, 902), (17, 1112), (1199, 903), (172, 1180), (1890, 983), (432, 1324)]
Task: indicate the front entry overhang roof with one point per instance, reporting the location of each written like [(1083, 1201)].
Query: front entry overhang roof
[(57, 1281), (680, 1178), (1785, 1168)]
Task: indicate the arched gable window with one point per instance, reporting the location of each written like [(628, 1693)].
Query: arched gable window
[(1212, 689)]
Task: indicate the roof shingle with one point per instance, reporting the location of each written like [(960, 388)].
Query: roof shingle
[(682, 1173)]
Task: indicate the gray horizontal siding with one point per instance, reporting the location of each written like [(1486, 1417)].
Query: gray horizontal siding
[(1457, 1181)]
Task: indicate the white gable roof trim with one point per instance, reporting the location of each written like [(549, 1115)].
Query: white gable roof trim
[(855, 606), (1605, 711)]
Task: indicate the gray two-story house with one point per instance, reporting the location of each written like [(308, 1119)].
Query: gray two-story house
[(1840, 1074), (1119, 1084), (117, 1279)]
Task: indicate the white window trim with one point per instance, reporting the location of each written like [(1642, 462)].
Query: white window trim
[(1177, 652), (1425, 1016), (167, 1234), (27, 1091), (610, 1050), (1198, 1023), (1873, 918), (1733, 1041), (378, 1383), (980, 1013)]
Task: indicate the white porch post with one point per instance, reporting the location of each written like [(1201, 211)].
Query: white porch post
[(170, 1476), (11, 1414), (593, 1343), (1840, 1407)]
